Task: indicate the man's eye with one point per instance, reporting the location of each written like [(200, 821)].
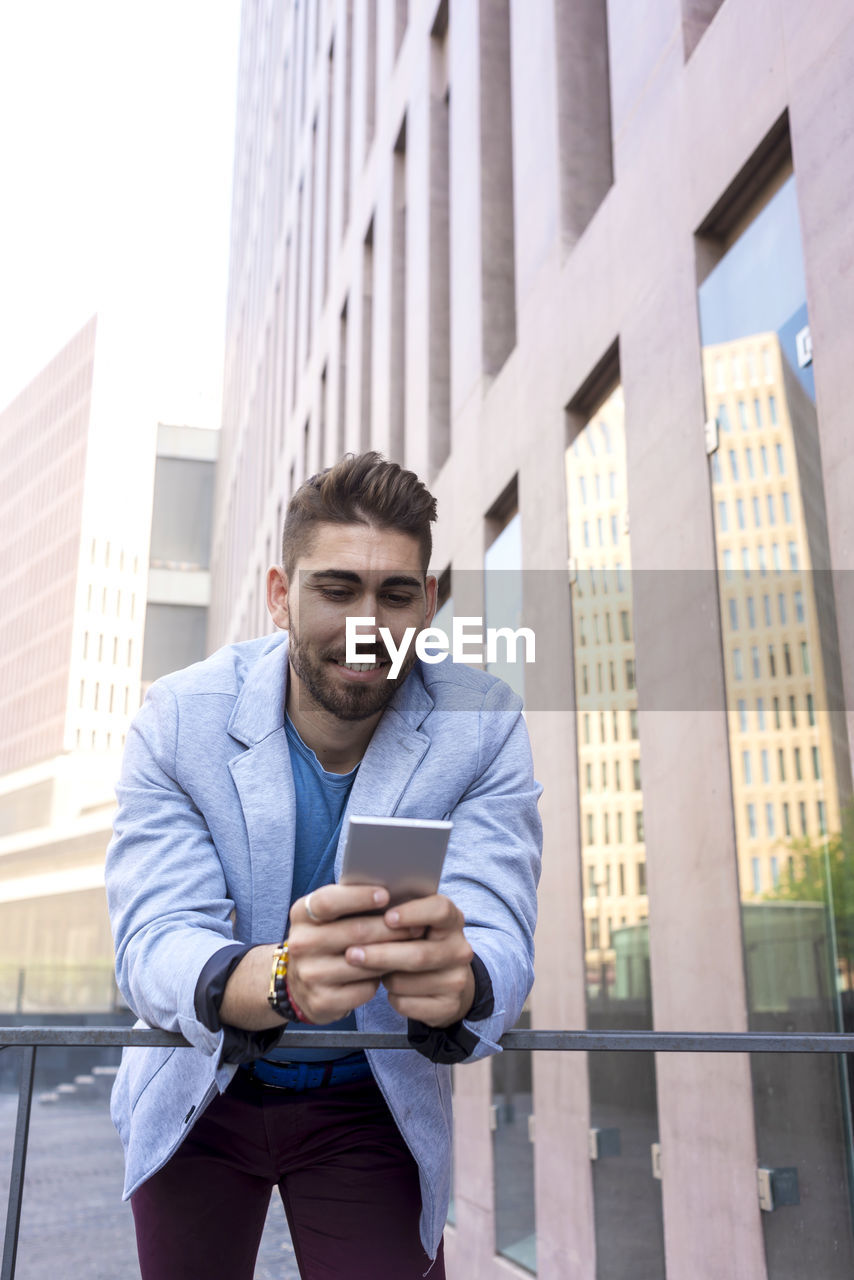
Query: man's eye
[(401, 600), (335, 593)]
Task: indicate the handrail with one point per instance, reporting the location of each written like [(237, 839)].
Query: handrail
[(560, 1041), (30, 1039)]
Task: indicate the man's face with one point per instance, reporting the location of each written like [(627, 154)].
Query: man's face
[(350, 571)]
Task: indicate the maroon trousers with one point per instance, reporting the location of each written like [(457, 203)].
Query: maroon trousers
[(347, 1180)]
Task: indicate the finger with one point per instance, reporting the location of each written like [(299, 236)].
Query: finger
[(415, 956), (443, 982), (328, 1004), (433, 912), (333, 901), (326, 972), (335, 937), (434, 1011)]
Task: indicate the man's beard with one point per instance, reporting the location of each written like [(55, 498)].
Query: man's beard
[(350, 701)]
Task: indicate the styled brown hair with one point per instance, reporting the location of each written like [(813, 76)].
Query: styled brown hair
[(359, 489)]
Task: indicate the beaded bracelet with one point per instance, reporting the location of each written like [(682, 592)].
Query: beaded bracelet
[(278, 996)]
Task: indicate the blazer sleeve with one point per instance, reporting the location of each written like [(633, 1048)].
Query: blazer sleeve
[(169, 906), (493, 864)]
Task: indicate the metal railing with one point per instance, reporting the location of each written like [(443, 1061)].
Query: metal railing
[(30, 1039)]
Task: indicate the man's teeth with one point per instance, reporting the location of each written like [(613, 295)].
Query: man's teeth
[(359, 666)]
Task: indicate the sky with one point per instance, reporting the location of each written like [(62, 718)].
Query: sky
[(116, 153)]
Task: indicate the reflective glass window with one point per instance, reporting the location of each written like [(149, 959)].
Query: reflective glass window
[(616, 929), (795, 868)]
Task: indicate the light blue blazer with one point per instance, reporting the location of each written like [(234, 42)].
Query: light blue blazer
[(202, 855)]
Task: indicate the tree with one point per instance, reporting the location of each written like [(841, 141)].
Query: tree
[(823, 871)]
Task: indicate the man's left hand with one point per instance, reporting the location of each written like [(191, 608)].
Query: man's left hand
[(428, 978)]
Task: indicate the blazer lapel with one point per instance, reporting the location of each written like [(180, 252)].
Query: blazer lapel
[(264, 781), (394, 753)]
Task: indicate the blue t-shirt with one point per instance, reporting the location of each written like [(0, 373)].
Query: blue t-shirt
[(321, 799)]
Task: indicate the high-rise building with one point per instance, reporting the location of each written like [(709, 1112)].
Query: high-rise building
[(76, 470), (521, 246), (45, 434)]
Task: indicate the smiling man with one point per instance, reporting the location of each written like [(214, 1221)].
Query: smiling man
[(231, 927)]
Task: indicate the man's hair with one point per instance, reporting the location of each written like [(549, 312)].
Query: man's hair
[(359, 489)]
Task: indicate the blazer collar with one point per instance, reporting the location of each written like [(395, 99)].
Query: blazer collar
[(259, 709)]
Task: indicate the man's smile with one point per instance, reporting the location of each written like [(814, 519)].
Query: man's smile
[(371, 669)]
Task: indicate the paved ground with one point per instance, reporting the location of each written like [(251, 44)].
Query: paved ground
[(73, 1222)]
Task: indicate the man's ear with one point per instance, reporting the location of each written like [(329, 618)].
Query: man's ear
[(278, 596), (432, 586)]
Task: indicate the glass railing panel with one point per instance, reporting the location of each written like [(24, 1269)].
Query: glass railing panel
[(513, 1154)]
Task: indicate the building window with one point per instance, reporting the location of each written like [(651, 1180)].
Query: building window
[(751, 820)]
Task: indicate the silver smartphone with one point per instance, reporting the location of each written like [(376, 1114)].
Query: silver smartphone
[(404, 855)]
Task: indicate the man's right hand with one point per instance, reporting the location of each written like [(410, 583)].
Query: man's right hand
[(324, 985)]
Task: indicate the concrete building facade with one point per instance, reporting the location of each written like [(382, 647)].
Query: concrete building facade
[(74, 596), (460, 228), (77, 475)]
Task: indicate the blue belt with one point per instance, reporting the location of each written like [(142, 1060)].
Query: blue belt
[(299, 1076)]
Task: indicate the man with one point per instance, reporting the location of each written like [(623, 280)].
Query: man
[(238, 776)]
